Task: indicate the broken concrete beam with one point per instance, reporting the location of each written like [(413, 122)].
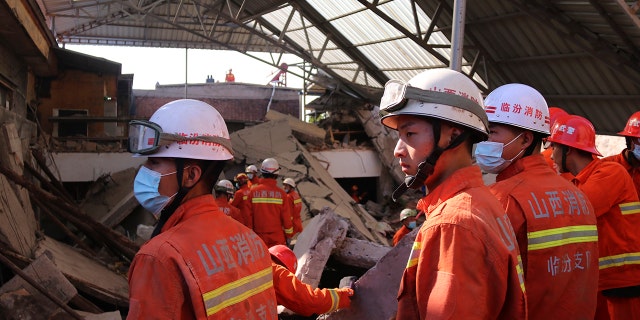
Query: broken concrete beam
[(86, 274), (377, 290), (360, 253), (110, 198), (383, 139), (314, 245), (44, 272), (305, 132), (120, 210)]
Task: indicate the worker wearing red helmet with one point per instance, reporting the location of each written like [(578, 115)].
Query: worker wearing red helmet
[(241, 199), (629, 158), (269, 207), (542, 207), (223, 191), (199, 263), (298, 296), (554, 114), (295, 202), (611, 191), (464, 263)]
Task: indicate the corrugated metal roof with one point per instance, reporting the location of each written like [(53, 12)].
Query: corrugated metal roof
[(582, 56)]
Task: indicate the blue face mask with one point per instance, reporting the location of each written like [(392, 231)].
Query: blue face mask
[(250, 176), (412, 225), (636, 151), (489, 155), (145, 189)]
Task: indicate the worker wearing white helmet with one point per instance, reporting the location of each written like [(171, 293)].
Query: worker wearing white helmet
[(409, 220), (187, 144), (270, 209), (224, 191), (542, 206), (253, 175), (450, 274), (295, 202)]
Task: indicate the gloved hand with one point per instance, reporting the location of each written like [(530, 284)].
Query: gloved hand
[(344, 297)]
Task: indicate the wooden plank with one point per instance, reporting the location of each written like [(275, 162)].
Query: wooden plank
[(44, 272), (86, 274), (17, 225), (120, 210), (12, 148)]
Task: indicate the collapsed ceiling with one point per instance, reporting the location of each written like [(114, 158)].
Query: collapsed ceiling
[(581, 55)]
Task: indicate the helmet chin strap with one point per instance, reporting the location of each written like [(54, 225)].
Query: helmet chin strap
[(426, 167)]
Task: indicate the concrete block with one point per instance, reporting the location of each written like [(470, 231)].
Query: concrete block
[(360, 253), (377, 290), (315, 244)]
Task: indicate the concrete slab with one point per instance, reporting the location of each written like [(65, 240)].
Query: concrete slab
[(360, 253), (376, 291), (320, 237)]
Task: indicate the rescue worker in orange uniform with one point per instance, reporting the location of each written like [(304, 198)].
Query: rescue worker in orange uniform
[(554, 114), (241, 199), (269, 207), (561, 277), (298, 296), (610, 189), (223, 191), (409, 222), (629, 158), (252, 173), (295, 202), (199, 263), (230, 77), (464, 263)]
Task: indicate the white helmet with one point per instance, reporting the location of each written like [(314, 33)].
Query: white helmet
[(225, 186), (518, 105), (269, 165), (183, 128), (251, 169), (290, 182), (436, 93)]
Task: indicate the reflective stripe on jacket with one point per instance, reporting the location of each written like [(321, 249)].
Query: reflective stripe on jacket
[(634, 172), (296, 208), (615, 201), (241, 201), (557, 234), (271, 213), (203, 265), (464, 263), (301, 298)]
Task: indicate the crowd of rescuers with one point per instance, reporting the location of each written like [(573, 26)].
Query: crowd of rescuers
[(554, 237)]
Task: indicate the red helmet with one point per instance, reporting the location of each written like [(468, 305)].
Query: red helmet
[(576, 132), (555, 113), (632, 129), (284, 256), (241, 178)]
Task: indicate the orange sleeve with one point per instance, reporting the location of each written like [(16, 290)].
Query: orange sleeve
[(286, 218), (300, 298), (607, 186)]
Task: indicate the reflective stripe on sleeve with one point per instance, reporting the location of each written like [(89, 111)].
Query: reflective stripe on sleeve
[(619, 260), (296, 201), (237, 291), (334, 300), (267, 200), (288, 231), (550, 238), (415, 254), (520, 272), (630, 208)]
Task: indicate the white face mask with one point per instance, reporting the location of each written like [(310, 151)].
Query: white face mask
[(489, 155)]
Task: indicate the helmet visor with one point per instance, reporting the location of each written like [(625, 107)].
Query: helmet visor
[(144, 137), (393, 98)]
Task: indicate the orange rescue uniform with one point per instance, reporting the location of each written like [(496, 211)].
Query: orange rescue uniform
[(228, 209), (557, 235), (403, 231), (203, 265), (634, 171), (302, 299), (271, 213), (296, 207), (464, 263), (615, 201), (241, 201)]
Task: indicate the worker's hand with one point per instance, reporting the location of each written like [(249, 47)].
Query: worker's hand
[(344, 295)]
